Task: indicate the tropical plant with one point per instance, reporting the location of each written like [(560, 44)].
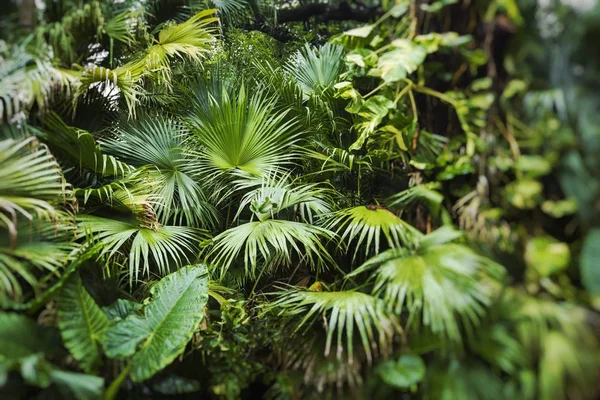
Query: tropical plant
[(387, 199)]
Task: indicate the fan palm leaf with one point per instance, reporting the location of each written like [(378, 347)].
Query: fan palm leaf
[(345, 311), (277, 193), (371, 224), (163, 247), (243, 133), (26, 80), (443, 285), (193, 39), (31, 182), (316, 69), (158, 142), (272, 242), (41, 250)]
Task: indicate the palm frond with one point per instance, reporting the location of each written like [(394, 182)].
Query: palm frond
[(342, 313), (442, 285), (231, 10), (26, 80), (272, 243), (159, 250), (372, 223), (80, 149), (316, 69), (277, 193), (31, 182), (192, 39), (41, 250), (427, 194), (244, 133), (158, 141)]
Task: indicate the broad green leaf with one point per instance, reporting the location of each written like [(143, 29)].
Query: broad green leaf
[(81, 386), (533, 166), (590, 262), (397, 64), (547, 255), (120, 309), (362, 31), (81, 322), (559, 209), (399, 9), (433, 41), (407, 371), (437, 5), (168, 323), (524, 193), (14, 344), (36, 371), (372, 112)]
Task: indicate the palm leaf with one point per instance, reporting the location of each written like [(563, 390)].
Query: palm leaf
[(345, 311), (192, 39), (81, 323), (31, 181), (41, 250), (163, 247), (316, 70), (156, 338), (371, 223), (159, 141), (276, 194), (26, 80), (79, 148), (426, 193), (442, 285), (272, 242), (243, 133)]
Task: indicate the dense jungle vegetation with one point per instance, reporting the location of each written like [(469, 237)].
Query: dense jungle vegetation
[(287, 200)]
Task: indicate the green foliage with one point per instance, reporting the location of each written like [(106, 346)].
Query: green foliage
[(405, 207), (156, 338), (81, 323)]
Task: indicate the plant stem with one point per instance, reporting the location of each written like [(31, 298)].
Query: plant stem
[(113, 388)]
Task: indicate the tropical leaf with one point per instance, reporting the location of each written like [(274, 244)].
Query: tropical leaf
[(316, 69), (23, 345), (14, 344), (155, 339), (41, 251), (427, 194), (556, 342), (155, 140), (26, 80), (79, 148), (271, 242), (371, 223), (31, 182), (31, 186), (276, 194), (81, 322), (192, 39), (162, 247), (120, 309), (243, 133), (444, 286), (346, 311), (590, 259)]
